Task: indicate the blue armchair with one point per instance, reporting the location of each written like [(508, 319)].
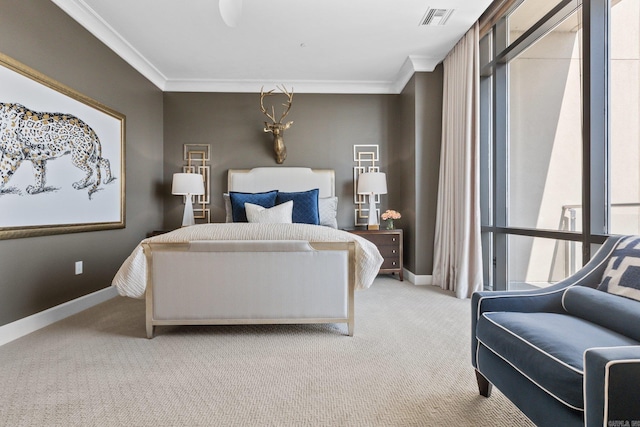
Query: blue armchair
[(566, 355)]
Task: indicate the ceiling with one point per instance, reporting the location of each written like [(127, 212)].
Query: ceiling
[(314, 46)]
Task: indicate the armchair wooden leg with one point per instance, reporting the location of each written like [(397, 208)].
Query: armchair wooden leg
[(484, 386)]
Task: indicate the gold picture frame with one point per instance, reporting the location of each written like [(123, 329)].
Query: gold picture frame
[(42, 120)]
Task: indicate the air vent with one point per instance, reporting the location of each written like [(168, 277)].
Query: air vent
[(436, 16)]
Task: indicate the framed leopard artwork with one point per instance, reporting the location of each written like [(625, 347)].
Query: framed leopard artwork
[(27, 135), (58, 149)]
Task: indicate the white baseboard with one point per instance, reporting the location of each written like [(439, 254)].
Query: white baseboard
[(22, 327), (423, 279)]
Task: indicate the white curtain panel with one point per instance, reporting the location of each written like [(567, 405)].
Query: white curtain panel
[(457, 260)]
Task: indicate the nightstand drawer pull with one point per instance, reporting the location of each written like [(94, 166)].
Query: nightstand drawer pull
[(394, 251), (394, 263), (393, 239)]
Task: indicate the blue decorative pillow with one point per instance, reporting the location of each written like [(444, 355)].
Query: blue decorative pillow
[(622, 275), (238, 199), (305, 206)]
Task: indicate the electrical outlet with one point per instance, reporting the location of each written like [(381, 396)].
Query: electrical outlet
[(78, 267)]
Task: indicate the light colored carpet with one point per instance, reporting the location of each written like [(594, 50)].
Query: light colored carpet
[(407, 365)]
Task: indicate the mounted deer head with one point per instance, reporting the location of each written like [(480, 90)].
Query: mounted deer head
[(277, 128)]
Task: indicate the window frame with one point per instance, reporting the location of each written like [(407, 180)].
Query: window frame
[(595, 132)]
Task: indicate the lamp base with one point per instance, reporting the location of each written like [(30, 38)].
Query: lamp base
[(372, 222), (187, 218)]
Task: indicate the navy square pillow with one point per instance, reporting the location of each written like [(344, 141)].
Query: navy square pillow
[(305, 206), (238, 199)]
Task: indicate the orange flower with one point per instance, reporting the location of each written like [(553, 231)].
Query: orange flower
[(390, 214)]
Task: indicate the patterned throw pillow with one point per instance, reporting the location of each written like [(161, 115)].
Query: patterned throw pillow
[(622, 275), (305, 205), (238, 199), (279, 214)]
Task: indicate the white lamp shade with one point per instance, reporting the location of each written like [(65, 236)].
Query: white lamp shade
[(372, 182), (187, 183)]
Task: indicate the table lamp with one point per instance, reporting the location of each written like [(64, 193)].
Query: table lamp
[(372, 183), (187, 184)]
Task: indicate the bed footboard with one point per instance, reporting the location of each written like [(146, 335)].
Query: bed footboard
[(249, 282)]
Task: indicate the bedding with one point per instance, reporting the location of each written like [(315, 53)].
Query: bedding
[(130, 280)]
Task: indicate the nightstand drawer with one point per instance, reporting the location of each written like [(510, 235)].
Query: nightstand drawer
[(388, 251), (390, 263), (384, 239)]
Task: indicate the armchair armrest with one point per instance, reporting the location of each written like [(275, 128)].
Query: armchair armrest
[(546, 299), (611, 393)]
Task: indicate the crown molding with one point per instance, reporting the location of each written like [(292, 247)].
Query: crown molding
[(413, 64), (300, 86), (92, 22)]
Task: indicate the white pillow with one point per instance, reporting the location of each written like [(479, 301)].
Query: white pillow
[(279, 214), (328, 209), (227, 207)]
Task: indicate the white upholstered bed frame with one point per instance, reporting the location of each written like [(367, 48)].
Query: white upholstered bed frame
[(258, 180), (253, 282)]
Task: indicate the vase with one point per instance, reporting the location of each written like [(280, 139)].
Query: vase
[(390, 224)]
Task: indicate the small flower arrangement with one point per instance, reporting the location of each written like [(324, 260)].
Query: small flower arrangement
[(390, 215)]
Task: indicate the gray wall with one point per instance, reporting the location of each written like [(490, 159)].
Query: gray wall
[(415, 166), (324, 131), (428, 143), (38, 272), (407, 127), (403, 171)]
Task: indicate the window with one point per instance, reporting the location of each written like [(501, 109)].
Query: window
[(624, 149), (560, 144), (545, 131), (538, 262), (526, 15)]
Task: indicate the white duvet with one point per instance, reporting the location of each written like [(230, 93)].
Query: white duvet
[(130, 280)]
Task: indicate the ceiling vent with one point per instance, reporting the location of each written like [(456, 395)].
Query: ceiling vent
[(436, 16)]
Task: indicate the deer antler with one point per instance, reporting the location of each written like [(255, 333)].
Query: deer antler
[(287, 105), (264, 110), (289, 95)]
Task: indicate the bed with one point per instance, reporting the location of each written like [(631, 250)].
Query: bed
[(253, 273)]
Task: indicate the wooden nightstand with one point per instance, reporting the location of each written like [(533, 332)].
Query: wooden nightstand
[(389, 243), (157, 232)]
